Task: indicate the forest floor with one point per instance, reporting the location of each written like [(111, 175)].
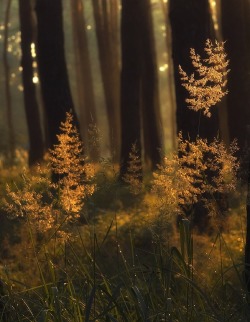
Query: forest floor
[(123, 263)]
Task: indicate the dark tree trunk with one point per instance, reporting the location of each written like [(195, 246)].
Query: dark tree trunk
[(106, 23), (11, 134), (52, 66), (191, 26), (140, 111), (30, 100), (130, 83), (150, 95), (84, 83), (237, 37)]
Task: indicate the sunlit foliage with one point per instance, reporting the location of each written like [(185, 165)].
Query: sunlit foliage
[(28, 201), (49, 205), (195, 169), (206, 86), (134, 175), (198, 170), (67, 161)]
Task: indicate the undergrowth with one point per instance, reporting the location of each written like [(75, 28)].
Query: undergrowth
[(79, 245)]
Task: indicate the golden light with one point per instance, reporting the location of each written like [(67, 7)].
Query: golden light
[(18, 37), (89, 27), (35, 79), (163, 68), (213, 6), (33, 50), (20, 88), (213, 3)]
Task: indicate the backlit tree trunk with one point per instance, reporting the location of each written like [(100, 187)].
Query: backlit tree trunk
[(149, 78), (140, 112), (84, 82), (130, 83), (29, 90), (52, 66), (106, 23), (11, 134)]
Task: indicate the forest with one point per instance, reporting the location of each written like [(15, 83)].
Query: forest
[(124, 160)]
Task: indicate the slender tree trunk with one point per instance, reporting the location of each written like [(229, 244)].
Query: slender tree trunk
[(106, 22), (52, 66), (11, 134), (130, 83), (140, 109), (150, 95), (170, 72), (84, 84), (191, 26), (222, 106), (237, 46), (30, 100)]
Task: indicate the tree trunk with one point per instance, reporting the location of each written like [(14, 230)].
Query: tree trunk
[(151, 114), (106, 22), (52, 66), (11, 134), (237, 46), (84, 83), (140, 110), (191, 26), (130, 83), (30, 100)]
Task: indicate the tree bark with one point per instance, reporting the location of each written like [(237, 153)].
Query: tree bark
[(84, 82), (140, 110), (30, 101), (106, 22), (237, 46), (130, 83), (11, 134), (52, 66), (150, 95)]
